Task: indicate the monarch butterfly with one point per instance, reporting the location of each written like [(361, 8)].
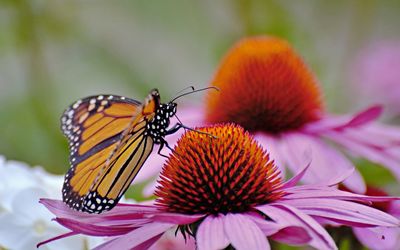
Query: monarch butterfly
[(110, 137)]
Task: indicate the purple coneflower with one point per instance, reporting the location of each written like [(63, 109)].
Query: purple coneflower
[(225, 191), (267, 88)]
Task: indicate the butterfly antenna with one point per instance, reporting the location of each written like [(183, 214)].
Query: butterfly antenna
[(184, 89), (194, 91)]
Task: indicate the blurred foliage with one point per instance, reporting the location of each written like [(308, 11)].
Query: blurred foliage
[(55, 52), (376, 175)]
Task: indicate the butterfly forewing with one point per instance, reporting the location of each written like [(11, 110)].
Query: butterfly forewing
[(93, 126), (110, 138)]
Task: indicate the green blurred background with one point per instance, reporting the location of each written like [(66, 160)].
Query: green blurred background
[(55, 52)]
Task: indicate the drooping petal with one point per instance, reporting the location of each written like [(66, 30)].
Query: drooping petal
[(327, 163), (56, 238), (124, 212), (363, 117), (292, 235), (136, 237), (243, 233), (331, 122), (345, 212), (94, 230), (211, 235), (378, 238), (365, 150), (289, 216)]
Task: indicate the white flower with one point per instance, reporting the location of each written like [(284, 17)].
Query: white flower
[(24, 222)]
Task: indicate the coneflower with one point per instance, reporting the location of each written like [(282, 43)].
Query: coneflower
[(226, 192)]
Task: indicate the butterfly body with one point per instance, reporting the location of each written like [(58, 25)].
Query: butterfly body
[(110, 137)]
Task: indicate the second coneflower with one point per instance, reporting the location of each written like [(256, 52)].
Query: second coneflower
[(226, 192), (267, 88)]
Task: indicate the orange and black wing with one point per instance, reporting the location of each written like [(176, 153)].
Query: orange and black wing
[(125, 161), (94, 127)]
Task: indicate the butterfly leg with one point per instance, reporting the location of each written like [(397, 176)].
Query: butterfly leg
[(175, 128), (160, 148), (162, 144), (178, 126)]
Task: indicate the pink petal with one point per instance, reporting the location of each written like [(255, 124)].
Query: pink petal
[(211, 235), (295, 179), (388, 133), (342, 178), (371, 136), (171, 241), (147, 244), (314, 191), (191, 116), (331, 122), (56, 238), (321, 169), (292, 236), (154, 163), (289, 216), (94, 230), (366, 116), (243, 233), (370, 153), (268, 227), (60, 209), (345, 212), (178, 219), (326, 123), (394, 208), (378, 238), (137, 237), (125, 212), (272, 145)]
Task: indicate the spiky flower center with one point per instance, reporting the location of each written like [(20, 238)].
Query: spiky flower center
[(207, 175), (264, 86)]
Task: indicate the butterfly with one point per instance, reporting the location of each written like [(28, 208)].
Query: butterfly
[(110, 137)]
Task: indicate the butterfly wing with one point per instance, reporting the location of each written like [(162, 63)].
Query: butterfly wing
[(125, 161), (94, 127)]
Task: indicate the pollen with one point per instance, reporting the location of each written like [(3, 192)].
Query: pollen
[(264, 86), (218, 169)]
